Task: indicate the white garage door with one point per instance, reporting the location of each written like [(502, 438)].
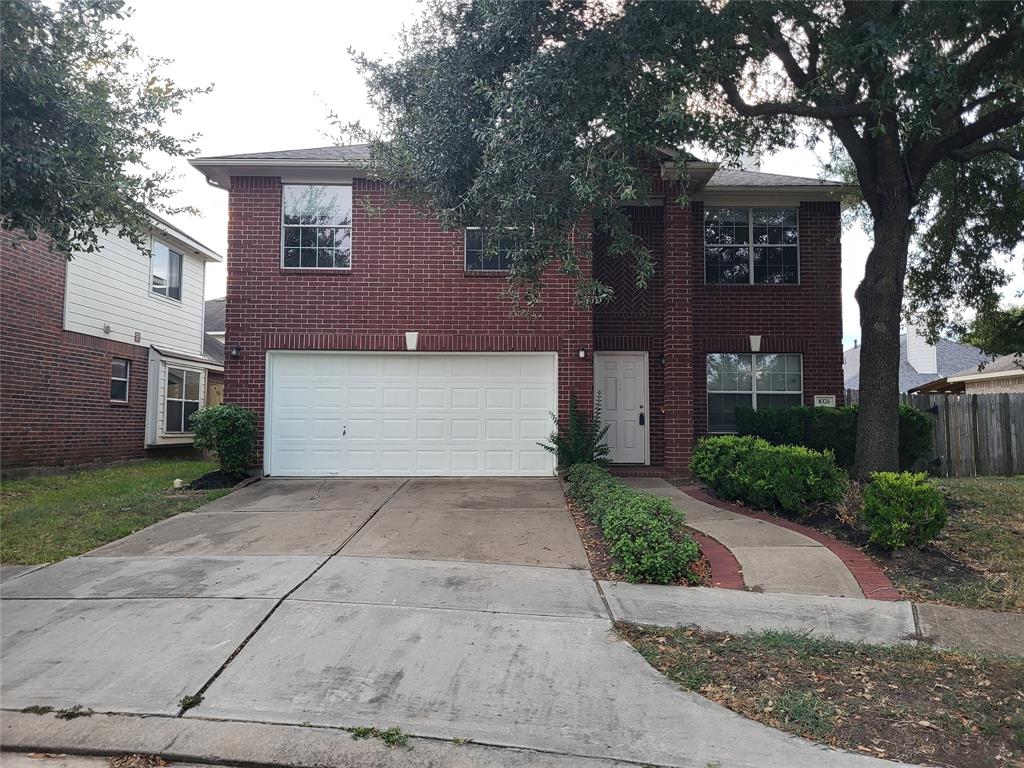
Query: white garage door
[(339, 413)]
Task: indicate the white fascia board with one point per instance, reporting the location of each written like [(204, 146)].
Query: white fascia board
[(986, 375), (164, 228), (219, 172)]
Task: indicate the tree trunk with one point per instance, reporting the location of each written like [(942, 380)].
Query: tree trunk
[(880, 297)]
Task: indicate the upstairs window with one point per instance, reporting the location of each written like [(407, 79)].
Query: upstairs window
[(486, 255), (166, 279), (751, 245), (119, 370), (751, 381), (182, 399), (316, 226)]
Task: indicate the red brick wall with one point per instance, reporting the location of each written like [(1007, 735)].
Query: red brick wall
[(804, 318), (55, 404), (407, 274)]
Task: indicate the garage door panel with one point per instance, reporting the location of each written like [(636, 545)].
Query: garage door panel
[(409, 414)]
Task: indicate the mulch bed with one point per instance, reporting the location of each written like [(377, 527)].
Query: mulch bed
[(901, 703), (217, 479), (602, 564)]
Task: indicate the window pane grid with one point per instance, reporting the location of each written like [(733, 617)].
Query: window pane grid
[(119, 372), (483, 256), (751, 381), (182, 398), (316, 226), (751, 246)]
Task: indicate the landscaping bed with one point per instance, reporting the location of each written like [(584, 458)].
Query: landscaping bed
[(900, 703), (48, 518)]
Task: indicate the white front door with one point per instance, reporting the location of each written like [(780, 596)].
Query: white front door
[(409, 413), (620, 381)]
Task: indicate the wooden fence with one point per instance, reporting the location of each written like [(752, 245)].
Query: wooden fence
[(974, 434)]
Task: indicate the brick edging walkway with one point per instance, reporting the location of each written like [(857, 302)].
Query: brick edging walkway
[(726, 572), (870, 577)]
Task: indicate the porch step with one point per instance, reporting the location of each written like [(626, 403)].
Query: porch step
[(627, 470)]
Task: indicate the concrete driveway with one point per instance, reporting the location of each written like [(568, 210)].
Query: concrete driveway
[(454, 609)]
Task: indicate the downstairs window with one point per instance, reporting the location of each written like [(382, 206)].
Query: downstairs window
[(182, 399), (751, 381)]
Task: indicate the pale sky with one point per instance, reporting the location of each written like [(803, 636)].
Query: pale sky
[(277, 68)]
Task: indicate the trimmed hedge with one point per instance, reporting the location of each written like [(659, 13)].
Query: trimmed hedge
[(643, 531), (749, 469), (902, 509), (230, 430), (833, 429)]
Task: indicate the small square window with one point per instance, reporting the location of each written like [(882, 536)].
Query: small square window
[(483, 254), (316, 226), (119, 373), (182, 398)]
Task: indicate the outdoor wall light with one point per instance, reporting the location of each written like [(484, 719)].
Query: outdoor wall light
[(755, 343), (583, 354), (235, 351), (411, 340)]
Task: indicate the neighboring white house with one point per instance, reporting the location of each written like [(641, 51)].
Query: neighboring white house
[(920, 362), (125, 295)]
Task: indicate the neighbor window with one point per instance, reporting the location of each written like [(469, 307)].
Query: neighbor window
[(484, 254), (751, 381), (119, 369), (182, 399), (751, 245), (316, 226), (166, 279)]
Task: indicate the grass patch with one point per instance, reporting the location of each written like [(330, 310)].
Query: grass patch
[(985, 535), (45, 519), (905, 703), (392, 737), (190, 701), (72, 713)]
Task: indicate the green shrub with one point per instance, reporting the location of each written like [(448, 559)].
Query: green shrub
[(749, 469), (902, 509), (834, 429), (230, 431), (582, 441), (644, 532)]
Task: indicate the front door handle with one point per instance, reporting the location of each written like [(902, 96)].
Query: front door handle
[(641, 418)]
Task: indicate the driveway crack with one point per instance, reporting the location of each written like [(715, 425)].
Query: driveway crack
[(245, 641)]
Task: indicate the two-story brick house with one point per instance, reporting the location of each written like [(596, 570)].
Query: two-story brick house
[(102, 357), (372, 342)]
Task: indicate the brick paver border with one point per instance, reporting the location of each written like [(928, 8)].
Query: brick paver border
[(726, 572)]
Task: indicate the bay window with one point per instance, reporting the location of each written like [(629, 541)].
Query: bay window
[(741, 380), (182, 398)]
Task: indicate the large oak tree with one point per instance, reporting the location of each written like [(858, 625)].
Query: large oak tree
[(532, 116)]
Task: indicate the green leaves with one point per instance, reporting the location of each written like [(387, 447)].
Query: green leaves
[(230, 430), (83, 113)]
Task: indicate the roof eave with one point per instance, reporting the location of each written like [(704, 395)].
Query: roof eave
[(162, 226)]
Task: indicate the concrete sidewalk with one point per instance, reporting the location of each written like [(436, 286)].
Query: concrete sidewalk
[(773, 558)]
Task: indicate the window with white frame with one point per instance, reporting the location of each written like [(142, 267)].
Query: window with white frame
[(316, 226), (487, 253), (166, 278), (119, 371), (182, 398), (751, 245), (751, 381)]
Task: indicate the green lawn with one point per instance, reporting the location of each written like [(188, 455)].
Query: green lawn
[(906, 703), (45, 519), (985, 532)]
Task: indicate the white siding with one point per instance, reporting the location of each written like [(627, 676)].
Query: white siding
[(156, 403), (111, 287)]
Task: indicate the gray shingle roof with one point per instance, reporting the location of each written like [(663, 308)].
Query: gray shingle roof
[(1002, 364), (214, 310), (352, 152), (950, 356), (730, 177), (213, 349)]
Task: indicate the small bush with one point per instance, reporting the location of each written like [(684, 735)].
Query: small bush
[(749, 469), (644, 531), (834, 429), (902, 509), (582, 441), (230, 431)]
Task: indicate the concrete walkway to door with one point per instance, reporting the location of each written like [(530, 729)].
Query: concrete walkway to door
[(452, 609)]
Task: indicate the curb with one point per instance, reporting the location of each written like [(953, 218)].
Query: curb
[(870, 577)]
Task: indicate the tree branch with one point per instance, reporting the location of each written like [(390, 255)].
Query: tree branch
[(794, 109), (986, 147)]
